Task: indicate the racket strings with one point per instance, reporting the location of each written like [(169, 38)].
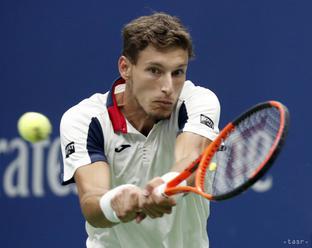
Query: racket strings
[(245, 149)]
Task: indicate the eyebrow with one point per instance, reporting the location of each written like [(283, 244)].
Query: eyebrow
[(160, 65)]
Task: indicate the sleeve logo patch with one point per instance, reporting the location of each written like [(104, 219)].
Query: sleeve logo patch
[(70, 149), (206, 121)]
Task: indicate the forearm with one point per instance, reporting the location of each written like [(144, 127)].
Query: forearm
[(181, 164), (92, 183), (92, 212), (189, 146)]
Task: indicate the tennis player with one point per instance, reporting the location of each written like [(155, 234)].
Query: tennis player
[(119, 146)]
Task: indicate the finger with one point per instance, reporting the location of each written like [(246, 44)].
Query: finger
[(126, 204), (150, 208), (140, 216), (127, 217), (163, 201), (154, 210), (161, 210), (166, 209), (152, 213), (152, 185)]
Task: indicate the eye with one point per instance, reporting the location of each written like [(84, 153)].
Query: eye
[(154, 70), (178, 72)]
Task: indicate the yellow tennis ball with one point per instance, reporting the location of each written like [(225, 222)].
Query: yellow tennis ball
[(34, 127), (213, 166)]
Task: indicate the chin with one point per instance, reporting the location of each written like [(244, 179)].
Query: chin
[(160, 115)]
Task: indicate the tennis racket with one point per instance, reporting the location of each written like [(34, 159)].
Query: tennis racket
[(241, 154)]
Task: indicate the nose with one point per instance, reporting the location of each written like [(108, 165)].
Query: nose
[(167, 84)]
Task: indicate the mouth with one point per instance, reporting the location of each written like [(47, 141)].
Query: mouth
[(165, 103)]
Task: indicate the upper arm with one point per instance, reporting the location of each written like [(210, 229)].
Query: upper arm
[(190, 145), (92, 182), (198, 122)]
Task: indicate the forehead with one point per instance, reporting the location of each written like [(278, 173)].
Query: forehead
[(170, 57)]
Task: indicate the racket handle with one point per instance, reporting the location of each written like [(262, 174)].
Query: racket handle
[(160, 190)]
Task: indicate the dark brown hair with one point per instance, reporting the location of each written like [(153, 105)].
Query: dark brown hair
[(160, 30)]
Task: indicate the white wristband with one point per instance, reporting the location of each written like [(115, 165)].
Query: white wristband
[(105, 203)]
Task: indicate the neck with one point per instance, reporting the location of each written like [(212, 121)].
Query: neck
[(134, 113), (139, 121)]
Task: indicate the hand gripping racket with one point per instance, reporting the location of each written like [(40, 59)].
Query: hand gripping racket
[(241, 154)]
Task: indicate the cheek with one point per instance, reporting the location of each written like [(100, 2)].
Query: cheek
[(143, 92), (143, 86)]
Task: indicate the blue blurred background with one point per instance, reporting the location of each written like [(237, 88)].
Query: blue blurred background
[(55, 53)]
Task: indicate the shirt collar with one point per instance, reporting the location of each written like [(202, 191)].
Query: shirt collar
[(116, 117)]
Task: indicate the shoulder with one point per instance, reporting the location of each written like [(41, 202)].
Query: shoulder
[(198, 111), (82, 113), (192, 94)]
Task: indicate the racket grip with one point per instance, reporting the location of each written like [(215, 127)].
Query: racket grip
[(160, 190)]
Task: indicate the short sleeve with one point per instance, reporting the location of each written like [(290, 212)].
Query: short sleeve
[(199, 111), (82, 142)]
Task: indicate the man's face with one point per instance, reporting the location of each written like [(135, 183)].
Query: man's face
[(156, 80)]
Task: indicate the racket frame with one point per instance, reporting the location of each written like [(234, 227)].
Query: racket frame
[(201, 164)]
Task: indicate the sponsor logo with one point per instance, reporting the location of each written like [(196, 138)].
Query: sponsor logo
[(70, 149), (121, 148), (222, 148), (206, 121)]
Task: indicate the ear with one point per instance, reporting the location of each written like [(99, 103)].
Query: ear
[(124, 66)]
